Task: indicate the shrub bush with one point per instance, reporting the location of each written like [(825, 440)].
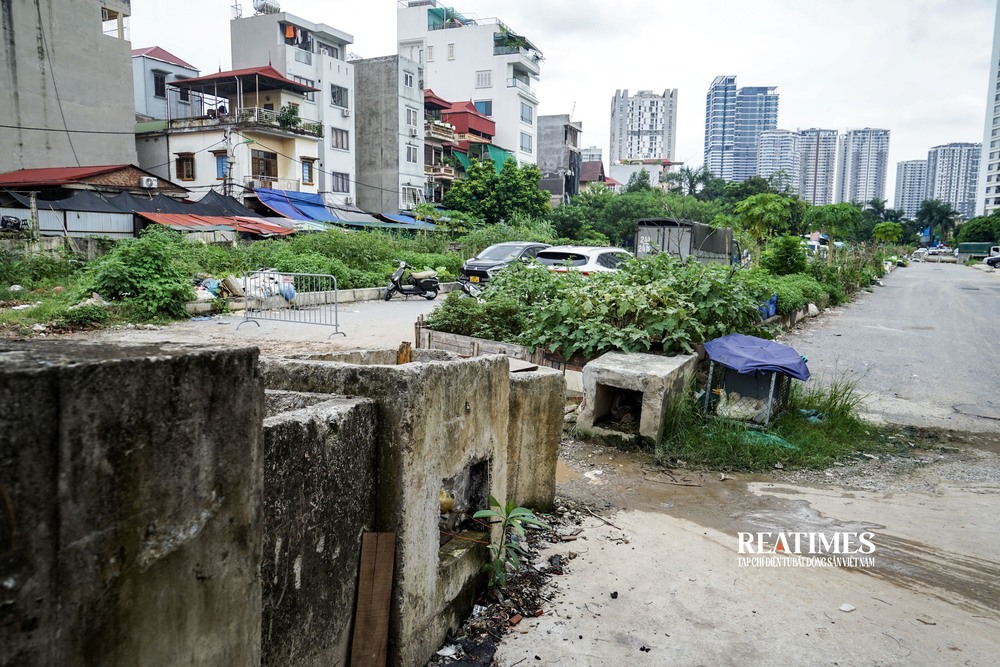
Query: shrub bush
[(785, 255), (152, 274)]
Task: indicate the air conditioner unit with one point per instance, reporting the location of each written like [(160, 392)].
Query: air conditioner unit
[(346, 112), (147, 181), (413, 132), (254, 184), (348, 200)]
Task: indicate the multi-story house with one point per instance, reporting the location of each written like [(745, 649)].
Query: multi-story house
[(481, 60), (734, 118), (152, 69), (779, 151), (67, 91), (474, 133), (818, 170), (911, 187), (390, 134), (559, 156), (314, 55), (953, 176), (643, 126), (861, 165), (756, 112), (250, 138), (988, 199), (439, 140)]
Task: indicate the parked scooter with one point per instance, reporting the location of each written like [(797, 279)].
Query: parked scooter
[(418, 283)]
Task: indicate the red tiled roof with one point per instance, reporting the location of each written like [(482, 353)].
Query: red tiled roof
[(434, 101), (610, 182), (265, 72), (55, 175), (157, 53)]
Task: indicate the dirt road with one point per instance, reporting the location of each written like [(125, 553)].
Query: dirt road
[(664, 585)]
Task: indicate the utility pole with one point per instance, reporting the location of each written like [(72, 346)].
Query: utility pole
[(33, 222)]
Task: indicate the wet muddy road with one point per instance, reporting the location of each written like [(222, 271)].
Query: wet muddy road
[(931, 596)]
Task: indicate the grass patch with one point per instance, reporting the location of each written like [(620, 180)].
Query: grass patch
[(820, 426)]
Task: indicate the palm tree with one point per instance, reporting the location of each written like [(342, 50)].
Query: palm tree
[(936, 213), (688, 181)]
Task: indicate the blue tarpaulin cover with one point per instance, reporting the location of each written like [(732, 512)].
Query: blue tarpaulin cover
[(295, 205), (749, 354)]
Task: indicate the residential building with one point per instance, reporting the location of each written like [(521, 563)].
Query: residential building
[(643, 126), (656, 170), (474, 134), (591, 171), (817, 172), (390, 134), (911, 187), (68, 93), (592, 154), (559, 156), (988, 199), (734, 118), (480, 60), (756, 112), (862, 162), (439, 143), (152, 69), (239, 145), (779, 152), (953, 176), (314, 55)]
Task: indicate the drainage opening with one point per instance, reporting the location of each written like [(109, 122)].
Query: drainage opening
[(460, 497), (617, 409)]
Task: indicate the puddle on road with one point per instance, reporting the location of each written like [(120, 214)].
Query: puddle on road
[(757, 503)]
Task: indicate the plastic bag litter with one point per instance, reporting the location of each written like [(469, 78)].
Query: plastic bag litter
[(766, 440)]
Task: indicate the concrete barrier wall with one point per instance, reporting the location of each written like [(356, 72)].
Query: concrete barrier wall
[(435, 420), (130, 513), (537, 403), (319, 464)]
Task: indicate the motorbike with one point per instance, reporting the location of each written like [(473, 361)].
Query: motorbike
[(417, 283)]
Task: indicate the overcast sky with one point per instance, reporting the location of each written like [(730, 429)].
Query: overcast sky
[(916, 67)]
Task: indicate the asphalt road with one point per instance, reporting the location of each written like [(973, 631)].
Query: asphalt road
[(924, 348)]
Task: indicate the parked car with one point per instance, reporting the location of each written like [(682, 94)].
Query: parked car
[(483, 266), (993, 262), (582, 259)]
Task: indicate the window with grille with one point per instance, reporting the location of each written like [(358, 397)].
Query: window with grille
[(411, 154), (184, 166), (308, 171), (484, 78)]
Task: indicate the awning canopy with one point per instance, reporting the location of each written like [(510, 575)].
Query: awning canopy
[(208, 223), (295, 205)]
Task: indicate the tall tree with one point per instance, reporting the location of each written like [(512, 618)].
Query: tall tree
[(495, 197), (887, 232), (638, 182), (763, 215), (936, 214)]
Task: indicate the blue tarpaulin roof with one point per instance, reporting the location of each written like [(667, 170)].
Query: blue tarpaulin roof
[(295, 205), (749, 354), (406, 220)]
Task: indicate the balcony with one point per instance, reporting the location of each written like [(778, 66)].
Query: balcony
[(254, 182), (439, 171), (437, 130), (522, 86), (269, 119)]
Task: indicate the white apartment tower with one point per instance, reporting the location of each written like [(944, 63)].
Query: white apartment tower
[(780, 151), (720, 126), (313, 54), (819, 165), (482, 60), (592, 154), (862, 165), (643, 126), (911, 187), (953, 176), (988, 199)]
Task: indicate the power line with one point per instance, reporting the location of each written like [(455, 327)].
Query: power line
[(66, 130)]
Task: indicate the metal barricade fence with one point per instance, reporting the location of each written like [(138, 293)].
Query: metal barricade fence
[(301, 298)]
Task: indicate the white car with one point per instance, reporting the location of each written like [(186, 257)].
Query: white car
[(583, 259)]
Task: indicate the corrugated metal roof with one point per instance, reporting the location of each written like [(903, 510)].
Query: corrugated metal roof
[(266, 72), (55, 175), (248, 225)]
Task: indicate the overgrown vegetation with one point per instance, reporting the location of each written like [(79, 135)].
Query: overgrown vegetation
[(821, 425)]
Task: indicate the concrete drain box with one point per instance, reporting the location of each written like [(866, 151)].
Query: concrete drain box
[(628, 394)]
